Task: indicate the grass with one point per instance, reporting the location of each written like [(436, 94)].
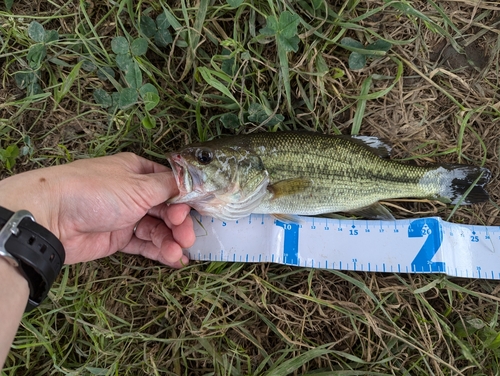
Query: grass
[(221, 74)]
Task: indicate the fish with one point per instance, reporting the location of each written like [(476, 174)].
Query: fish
[(293, 173)]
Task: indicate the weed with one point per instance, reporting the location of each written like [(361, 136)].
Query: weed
[(37, 54), (127, 56), (360, 53), (284, 30)]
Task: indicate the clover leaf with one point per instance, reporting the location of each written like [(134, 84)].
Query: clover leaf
[(158, 30), (36, 31), (257, 114), (284, 29), (230, 121)]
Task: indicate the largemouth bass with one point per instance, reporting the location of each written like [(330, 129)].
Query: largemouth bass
[(306, 173)]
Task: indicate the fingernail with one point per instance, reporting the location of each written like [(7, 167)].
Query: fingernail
[(184, 260)]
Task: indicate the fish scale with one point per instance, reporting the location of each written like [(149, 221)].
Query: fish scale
[(345, 175)]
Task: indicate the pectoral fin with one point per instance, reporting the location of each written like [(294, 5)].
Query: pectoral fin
[(289, 187), (375, 211)]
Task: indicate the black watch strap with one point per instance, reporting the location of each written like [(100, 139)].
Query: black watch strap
[(39, 254)]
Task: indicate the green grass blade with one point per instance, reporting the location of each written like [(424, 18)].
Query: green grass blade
[(291, 365), (208, 76), (194, 33), (361, 106), (285, 77), (67, 83)]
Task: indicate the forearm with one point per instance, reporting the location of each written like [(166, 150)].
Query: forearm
[(14, 293), (32, 191), (14, 289)]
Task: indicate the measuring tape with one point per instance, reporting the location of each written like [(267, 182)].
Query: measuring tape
[(424, 245)]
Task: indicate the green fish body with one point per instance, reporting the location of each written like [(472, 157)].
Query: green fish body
[(305, 173)]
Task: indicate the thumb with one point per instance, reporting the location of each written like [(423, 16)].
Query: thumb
[(158, 187)]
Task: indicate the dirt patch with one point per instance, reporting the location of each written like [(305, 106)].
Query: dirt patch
[(474, 56)]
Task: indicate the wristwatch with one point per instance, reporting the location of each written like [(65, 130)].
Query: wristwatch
[(33, 249)]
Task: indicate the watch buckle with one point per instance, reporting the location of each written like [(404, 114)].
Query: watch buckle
[(11, 228)]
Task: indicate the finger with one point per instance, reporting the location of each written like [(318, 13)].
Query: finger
[(184, 261), (141, 165), (157, 181), (181, 226), (172, 214), (152, 229), (155, 230), (170, 253), (177, 213), (154, 240), (156, 188), (184, 233)]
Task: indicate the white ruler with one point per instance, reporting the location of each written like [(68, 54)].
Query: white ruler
[(424, 245)]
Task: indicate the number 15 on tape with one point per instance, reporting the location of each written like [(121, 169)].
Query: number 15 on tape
[(424, 245)]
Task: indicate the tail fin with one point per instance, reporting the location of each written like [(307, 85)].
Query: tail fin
[(462, 179)]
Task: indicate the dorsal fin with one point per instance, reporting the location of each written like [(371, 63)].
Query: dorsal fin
[(374, 144)]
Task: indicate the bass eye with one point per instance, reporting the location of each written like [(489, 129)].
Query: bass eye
[(204, 156)]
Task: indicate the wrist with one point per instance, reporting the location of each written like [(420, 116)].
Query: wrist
[(14, 293), (14, 280), (33, 191), (33, 250)]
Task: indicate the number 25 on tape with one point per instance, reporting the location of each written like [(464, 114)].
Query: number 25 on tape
[(430, 228)]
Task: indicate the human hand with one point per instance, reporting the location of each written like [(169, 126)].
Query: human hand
[(93, 205)]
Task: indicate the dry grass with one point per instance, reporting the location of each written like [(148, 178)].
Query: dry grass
[(129, 316)]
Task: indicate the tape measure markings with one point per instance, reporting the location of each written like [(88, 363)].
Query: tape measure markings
[(420, 245)]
